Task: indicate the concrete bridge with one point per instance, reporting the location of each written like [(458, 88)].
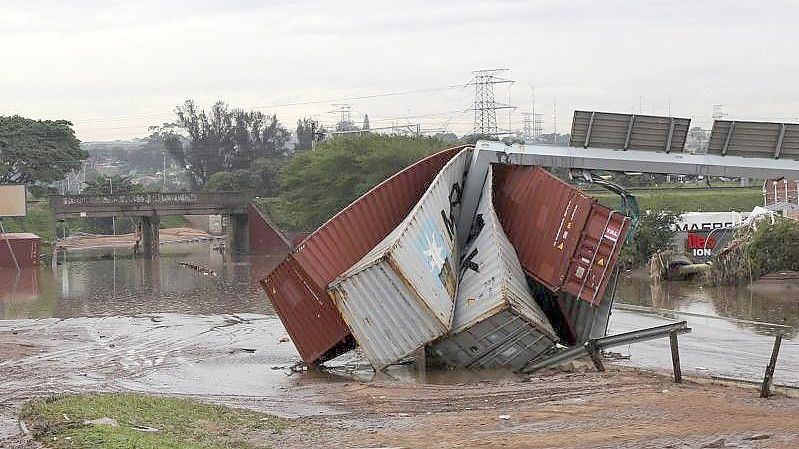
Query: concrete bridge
[(149, 207)]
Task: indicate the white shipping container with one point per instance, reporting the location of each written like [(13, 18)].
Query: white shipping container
[(400, 296), (707, 221), (497, 322)]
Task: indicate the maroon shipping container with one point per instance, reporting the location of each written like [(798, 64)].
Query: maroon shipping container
[(780, 191), (265, 236), (543, 217), (311, 319), (594, 260), (350, 234), (554, 226), (335, 247), (25, 247)]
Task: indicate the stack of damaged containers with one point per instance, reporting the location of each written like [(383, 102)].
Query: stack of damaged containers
[(386, 273)]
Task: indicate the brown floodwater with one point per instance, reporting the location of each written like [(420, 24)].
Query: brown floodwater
[(730, 335), (110, 282)]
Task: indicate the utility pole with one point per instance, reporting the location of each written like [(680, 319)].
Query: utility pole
[(485, 106), (163, 187), (113, 219), (555, 117)]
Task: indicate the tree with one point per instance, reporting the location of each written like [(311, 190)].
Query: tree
[(116, 184), (105, 186), (317, 184), (41, 151), (307, 130), (221, 139), (655, 233)]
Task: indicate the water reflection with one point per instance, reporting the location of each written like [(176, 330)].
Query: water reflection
[(740, 303), (112, 282)]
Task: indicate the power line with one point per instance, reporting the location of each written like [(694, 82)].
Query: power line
[(298, 103)]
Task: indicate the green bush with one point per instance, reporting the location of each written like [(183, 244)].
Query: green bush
[(317, 184)]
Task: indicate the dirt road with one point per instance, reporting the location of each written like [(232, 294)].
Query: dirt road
[(235, 360)]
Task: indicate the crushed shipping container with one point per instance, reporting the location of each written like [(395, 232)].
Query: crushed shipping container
[(265, 236), (23, 246), (497, 322), (308, 313), (400, 296), (565, 239), (576, 320)]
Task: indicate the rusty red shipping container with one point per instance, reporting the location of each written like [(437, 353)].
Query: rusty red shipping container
[(25, 247), (308, 314), (543, 217), (780, 191), (332, 249), (594, 259), (554, 226), (265, 236)]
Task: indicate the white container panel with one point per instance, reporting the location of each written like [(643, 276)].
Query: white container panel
[(497, 322), (385, 316)]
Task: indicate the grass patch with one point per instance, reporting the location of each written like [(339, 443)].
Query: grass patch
[(691, 200), (59, 422)]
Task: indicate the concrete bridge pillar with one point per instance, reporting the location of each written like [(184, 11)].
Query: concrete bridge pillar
[(238, 234), (150, 239)]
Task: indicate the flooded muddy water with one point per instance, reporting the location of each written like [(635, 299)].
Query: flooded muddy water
[(108, 282), (733, 329), (105, 320)]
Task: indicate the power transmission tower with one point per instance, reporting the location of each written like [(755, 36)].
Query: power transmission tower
[(345, 122), (485, 106), (538, 125), (718, 114), (527, 118)]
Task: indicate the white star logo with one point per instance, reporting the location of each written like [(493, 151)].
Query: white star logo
[(435, 253)]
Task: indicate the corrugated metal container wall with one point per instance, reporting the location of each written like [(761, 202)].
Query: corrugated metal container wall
[(543, 217), (265, 236), (497, 322), (311, 319), (335, 247), (25, 247), (400, 296), (585, 320), (554, 226), (575, 320), (350, 234), (595, 258), (780, 191)]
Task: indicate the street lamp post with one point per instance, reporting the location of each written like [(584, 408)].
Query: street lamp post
[(113, 219)]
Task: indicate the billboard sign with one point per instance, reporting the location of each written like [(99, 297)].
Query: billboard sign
[(12, 200)]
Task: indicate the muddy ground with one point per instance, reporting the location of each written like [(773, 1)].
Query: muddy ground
[(235, 360)]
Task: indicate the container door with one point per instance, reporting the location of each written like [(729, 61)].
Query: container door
[(595, 258)]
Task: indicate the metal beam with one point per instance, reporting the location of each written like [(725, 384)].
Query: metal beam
[(728, 139), (611, 341), (489, 152), (629, 133), (670, 135), (588, 132), (780, 139)]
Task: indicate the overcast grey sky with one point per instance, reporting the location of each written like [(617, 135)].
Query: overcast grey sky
[(114, 67)]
